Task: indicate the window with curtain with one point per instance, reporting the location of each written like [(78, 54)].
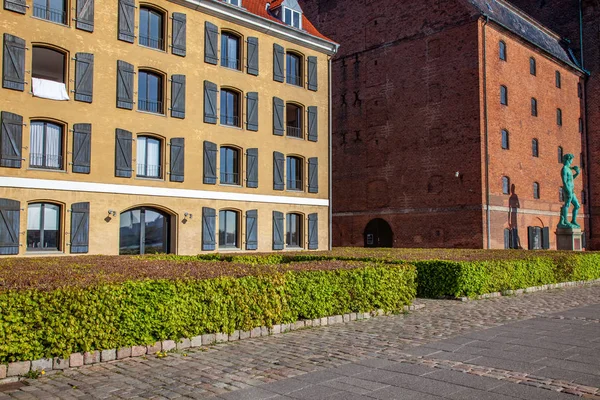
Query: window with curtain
[(293, 118), (293, 65), (505, 140), (502, 49), (230, 50), (229, 229), (51, 10), (151, 28), (149, 157), (230, 166), (230, 108), (294, 173), (46, 145), (505, 185), (43, 227), (293, 230)]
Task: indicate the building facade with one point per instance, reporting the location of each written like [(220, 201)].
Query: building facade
[(136, 127), (449, 120)]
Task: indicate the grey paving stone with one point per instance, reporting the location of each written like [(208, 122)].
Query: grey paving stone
[(397, 393), (530, 392), (350, 369), (286, 386), (314, 392), (474, 394), (376, 362), (445, 355), (424, 385), (412, 369), (509, 365), (318, 376), (249, 394), (464, 379)]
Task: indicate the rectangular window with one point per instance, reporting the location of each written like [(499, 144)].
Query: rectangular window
[(503, 95), (230, 51), (559, 117), (294, 173), (534, 109), (228, 229), (230, 108), (151, 28), (43, 223), (292, 18), (148, 157), (505, 139), (293, 236), (558, 83), (51, 10), (502, 49), (532, 66), (230, 166), (293, 66), (535, 241), (46, 145), (150, 92)]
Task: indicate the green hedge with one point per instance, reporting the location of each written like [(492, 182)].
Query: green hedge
[(38, 324)]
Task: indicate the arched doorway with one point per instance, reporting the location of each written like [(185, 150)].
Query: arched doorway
[(378, 233), (145, 230)]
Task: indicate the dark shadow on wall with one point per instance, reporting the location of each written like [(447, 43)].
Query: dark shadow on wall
[(513, 220)]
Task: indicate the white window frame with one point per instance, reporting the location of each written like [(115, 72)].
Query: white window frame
[(291, 23), (232, 2)]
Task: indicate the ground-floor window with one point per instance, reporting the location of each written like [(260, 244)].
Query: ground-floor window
[(43, 227), (293, 235), (538, 238), (144, 231), (228, 229)]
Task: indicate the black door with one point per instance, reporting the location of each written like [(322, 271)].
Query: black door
[(144, 231), (378, 233)]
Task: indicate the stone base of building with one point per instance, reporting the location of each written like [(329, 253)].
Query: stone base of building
[(570, 239)]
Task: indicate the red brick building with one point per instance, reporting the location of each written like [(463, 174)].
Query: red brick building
[(448, 120)]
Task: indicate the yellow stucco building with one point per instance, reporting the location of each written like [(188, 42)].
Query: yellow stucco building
[(165, 126)]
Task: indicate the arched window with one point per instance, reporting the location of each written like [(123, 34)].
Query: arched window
[(150, 92), (51, 10), (230, 50), (152, 30), (294, 122), (536, 190), (558, 80), (503, 95), (293, 230), (43, 227), (149, 157), (230, 166), (535, 151), (229, 232), (294, 173), (505, 185), (534, 108), (560, 154), (294, 71), (48, 64), (502, 50), (145, 230), (532, 66), (505, 139), (46, 145), (558, 117), (230, 107)]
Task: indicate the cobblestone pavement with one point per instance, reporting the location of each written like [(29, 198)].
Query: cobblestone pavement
[(528, 346)]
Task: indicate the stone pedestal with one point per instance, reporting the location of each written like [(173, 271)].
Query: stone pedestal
[(569, 239)]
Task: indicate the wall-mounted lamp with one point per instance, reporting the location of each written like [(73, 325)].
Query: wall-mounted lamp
[(112, 213), (188, 215), (457, 174)]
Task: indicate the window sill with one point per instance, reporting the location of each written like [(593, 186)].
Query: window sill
[(149, 178), (232, 185), (52, 22), (294, 137), (231, 69), (151, 113), (296, 86), (42, 252), (294, 247), (295, 190), (231, 126), (62, 171), (152, 48), (230, 249)]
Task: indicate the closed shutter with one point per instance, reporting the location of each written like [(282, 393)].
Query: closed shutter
[(13, 71), (10, 213), (127, 20), (251, 230), (177, 159), (19, 6), (253, 56), (313, 124), (179, 34), (277, 230), (85, 15), (278, 168), (514, 237), (313, 231), (507, 240), (313, 175), (210, 102), (123, 156), (178, 96), (312, 74), (82, 148), (546, 238), (278, 112), (211, 43), (11, 140), (125, 74), (252, 168), (252, 111), (278, 63), (80, 228), (210, 163), (530, 237), (209, 218), (84, 77)]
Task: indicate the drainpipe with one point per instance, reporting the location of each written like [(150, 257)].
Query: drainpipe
[(581, 34), (330, 158), (486, 134)]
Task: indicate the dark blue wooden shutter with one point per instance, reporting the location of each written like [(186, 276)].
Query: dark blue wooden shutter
[(10, 213), (546, 238), (84, 77), (278, 238), (531, 237), (82, 148), (127, 20), (252, 168), (253, 56), (252, 111), (312, 74), (313, 175), (84, 19), (211, 43), (278, 63), (11, 140), (19, 6), (125, 74), (178, 96), (13, 71), (210, 102), (507, 243), (177, 164), (123, 157), (514, 238), (210, 163), (313, 124), (179, 34), (278, 116), (251, 230), (209, 218), (80, 228), (313, 231), (278, 168)]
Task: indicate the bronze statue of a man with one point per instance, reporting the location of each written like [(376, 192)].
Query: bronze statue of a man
[(569, 193)]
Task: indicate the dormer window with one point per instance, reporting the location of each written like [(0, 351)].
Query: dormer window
[(234, 2), (292, 18)]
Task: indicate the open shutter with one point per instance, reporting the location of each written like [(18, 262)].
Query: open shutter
[(82, 148), (252, 168), (278, 112), (179, 34), (252, 111), (13, 71), (251, 230), (312, 74), (210, 102), (507, 239), (123, 150), (10, 213), (80, 228), (514, 237), (11, 140), (546, 238), (313, 231), (19, 6), (125, 74), (530, 236), (210, 163), (211, 43), (85, 15), (313, 175), (178, 96), (313, 124), (277, 230), (278, 168), (127, 20), (177, 159), (84, 77), (253, 56), (209, 218), (278, 63)]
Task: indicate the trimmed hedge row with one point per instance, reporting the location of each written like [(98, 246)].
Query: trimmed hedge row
[(38, 324)]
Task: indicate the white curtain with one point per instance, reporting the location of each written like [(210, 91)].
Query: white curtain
[(50, 217), (33, 217), (53, 146), (36, 144), (141, 155), (232, 50), (153, 157)]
